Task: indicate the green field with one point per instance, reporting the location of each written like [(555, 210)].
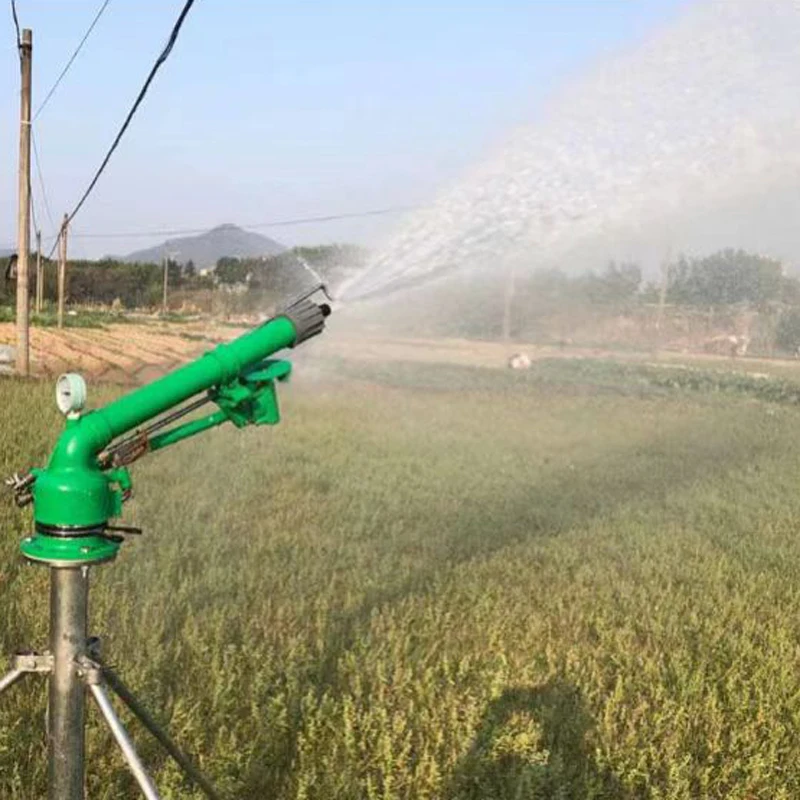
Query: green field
[(582, 581)]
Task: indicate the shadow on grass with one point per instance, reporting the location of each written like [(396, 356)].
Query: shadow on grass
[(534, 742), (644, 472)]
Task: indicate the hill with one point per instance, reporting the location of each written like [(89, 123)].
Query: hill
[(207, 248)]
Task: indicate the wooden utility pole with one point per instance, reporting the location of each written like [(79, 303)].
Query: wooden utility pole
[(62, 270), (666, 269), (662, 295), (39, 274), (166, 281), (508, 301), (24, 210)]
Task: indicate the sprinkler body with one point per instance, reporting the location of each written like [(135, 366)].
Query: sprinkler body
[(82, 488)]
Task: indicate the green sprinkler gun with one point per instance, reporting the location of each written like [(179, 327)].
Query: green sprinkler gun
[(82, 489), (86, 480)]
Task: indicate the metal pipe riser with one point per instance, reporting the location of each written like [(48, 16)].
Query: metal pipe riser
[(69, 597)]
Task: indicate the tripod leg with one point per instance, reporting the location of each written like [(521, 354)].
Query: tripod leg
[(123, 740), (143, 715), (10, 678)]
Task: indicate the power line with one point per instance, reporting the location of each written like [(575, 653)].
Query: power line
[(256, 226), (33, 207), (37, 162), (16, 23), (72, 58), (142, 92)]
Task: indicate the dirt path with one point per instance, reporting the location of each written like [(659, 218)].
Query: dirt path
[(469, 352)]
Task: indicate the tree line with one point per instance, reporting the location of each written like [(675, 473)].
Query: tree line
[(726, 279), (140, 285), (291, 270), (723, 279), (547, 303)]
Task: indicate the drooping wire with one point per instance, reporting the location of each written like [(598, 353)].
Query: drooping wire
[(33, 208), (142, 92), (36, 157), (38, 164), (16, 23), (71, 59), (256, 226)]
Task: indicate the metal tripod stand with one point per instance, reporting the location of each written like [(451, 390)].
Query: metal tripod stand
[(73, 665)]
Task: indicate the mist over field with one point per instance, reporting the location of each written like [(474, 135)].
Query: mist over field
[(526, 528)]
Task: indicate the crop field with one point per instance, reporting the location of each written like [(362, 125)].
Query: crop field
[(129, 353), (579, 581)]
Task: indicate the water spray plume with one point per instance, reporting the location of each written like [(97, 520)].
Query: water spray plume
[(703, 112)]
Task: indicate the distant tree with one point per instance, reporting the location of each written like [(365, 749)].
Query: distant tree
[(617, 286), (288, 272), (137, 284), (728, 277), (231, 270), (189, 269), (790, 291), (678, 283), (175, 273)]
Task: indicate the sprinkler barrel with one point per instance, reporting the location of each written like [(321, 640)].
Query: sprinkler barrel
[(86, 479)]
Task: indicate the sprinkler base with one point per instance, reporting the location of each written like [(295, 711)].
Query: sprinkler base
[(65, 551)]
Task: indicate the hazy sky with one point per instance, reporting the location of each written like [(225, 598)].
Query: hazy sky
[(278, 110)]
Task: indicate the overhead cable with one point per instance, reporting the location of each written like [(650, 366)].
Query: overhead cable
[(16, 23), (142, 92), (71, 59), (38, 164), (256, 226)]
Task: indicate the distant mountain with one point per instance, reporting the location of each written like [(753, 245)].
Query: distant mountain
[(207, 248)]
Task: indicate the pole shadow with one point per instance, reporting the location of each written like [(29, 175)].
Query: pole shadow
[(534, 743)]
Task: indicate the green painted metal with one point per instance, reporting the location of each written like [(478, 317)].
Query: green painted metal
[(73, 496), (251, 399), (189, 429), (69, 551)]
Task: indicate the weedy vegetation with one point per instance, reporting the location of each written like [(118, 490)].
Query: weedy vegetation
[(85, 318), (581, 581)]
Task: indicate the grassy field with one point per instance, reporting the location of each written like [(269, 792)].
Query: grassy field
[(440, 582)]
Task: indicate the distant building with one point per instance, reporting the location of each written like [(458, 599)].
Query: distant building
[(11, 268)]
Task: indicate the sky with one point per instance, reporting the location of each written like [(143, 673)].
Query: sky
[(270, 111)]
